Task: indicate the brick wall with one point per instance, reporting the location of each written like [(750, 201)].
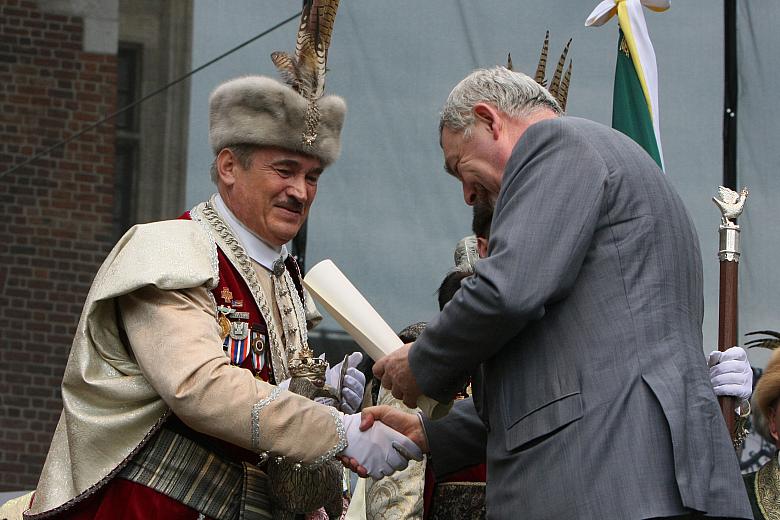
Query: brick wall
[(55, 218)]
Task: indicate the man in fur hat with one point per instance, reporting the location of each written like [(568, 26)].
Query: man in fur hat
[(175, 399)]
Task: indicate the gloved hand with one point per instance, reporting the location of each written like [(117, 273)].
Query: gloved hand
[(353, 384), (730, 373), (379, 449)]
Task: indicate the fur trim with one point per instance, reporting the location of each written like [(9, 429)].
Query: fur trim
[(262, 111), (768, 387)]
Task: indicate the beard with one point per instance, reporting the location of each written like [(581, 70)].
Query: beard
[(482, 213), (484, 201)]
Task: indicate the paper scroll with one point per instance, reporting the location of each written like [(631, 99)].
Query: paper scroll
[(331, 289)]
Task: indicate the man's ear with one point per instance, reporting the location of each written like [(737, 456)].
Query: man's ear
[(489, 116), (226, 167), (482, 246), (772, 422)]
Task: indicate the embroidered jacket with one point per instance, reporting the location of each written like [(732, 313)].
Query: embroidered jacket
[(125, 376)]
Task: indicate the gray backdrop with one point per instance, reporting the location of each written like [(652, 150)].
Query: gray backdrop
[(386, 212), (757, 161)]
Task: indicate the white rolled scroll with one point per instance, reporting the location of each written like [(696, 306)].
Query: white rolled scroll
[(328, 285)]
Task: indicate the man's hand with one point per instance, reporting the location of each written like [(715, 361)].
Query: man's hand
[(377, 451), (410, 424), (353, 384), (730, 373), (396, 375)]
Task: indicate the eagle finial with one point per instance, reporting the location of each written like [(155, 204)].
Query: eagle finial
[(730, 203)]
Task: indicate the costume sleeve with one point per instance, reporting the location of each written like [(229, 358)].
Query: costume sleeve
[(457, 440), (545, 218), (401, 494), (175, 339)]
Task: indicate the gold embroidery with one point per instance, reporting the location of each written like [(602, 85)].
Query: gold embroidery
[(768, 489), (401, 494), (224, 326), (624, 47)]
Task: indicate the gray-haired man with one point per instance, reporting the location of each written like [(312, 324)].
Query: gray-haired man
[(586, 314)]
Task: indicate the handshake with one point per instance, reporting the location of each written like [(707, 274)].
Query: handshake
[(375, 449)]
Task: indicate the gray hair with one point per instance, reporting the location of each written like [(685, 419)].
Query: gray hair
[(242, 153), (513, 93)]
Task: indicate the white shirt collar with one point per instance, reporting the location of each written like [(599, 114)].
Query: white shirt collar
[(257, 249)]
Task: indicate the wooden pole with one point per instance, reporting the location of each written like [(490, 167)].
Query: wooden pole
[(727, 330), (730, 204)]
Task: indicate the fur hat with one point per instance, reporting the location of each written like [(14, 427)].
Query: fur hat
[(768, 387), (265, 112)]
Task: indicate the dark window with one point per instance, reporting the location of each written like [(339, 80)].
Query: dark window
[(127, 135), (128, 85), (126, 160)]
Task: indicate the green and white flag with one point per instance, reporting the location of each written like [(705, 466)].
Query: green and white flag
[(635, 96)]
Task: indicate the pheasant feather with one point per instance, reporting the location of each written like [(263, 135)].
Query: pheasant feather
[(770, 343), (556, 81), (305, 70), (542, 66), (559, 85), (563, 91)]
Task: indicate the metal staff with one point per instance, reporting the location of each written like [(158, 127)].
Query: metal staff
[(730, 204)]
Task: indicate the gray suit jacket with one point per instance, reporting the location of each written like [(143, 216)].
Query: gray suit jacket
[(587, 316)]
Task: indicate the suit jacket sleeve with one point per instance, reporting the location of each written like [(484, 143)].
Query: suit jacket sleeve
[(544, 220), (174, 337), (457, 440)]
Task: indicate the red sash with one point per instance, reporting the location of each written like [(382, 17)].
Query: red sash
[(247, 344)]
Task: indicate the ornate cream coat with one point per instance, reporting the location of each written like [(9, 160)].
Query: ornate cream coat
[(117, 389), (399, 496)]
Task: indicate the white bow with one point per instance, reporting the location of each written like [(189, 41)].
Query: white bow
[(607, 9)]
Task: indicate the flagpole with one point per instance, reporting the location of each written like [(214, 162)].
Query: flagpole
[(730, 91), (729, 250), (635, 109)]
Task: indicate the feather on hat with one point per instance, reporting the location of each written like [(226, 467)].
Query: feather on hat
[(296, 116), (559, 86)]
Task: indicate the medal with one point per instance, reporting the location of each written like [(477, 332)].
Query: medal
[(224, 326), (258, 342), (239, 330), (226, 295), (223, 322)]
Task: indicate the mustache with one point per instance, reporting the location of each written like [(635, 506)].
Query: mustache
[(291, 204)]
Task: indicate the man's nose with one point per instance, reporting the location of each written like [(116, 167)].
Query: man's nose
[(296, 188)]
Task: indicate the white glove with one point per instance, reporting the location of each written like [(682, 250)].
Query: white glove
[(730, 373), (380, 449), (352, 386)]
